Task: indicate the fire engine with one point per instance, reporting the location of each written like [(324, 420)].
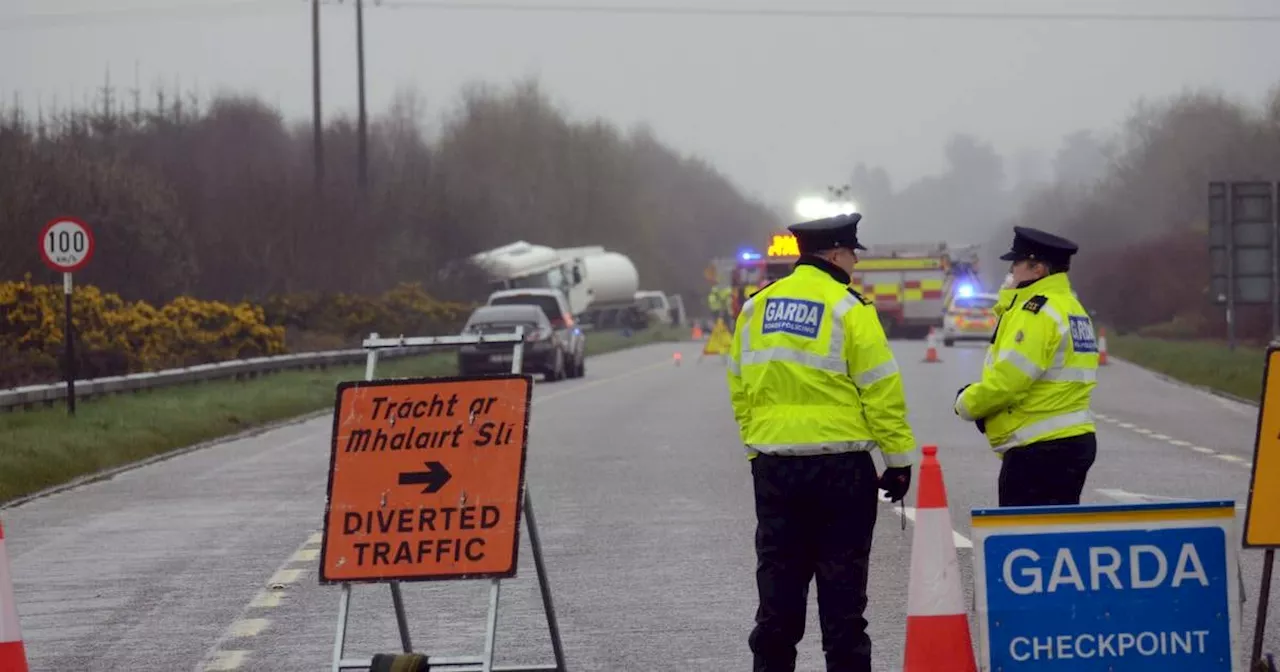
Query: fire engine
[(911, 284)]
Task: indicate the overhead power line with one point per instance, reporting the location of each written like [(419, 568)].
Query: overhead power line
[(801, 12), (117, 14), (81, 17)]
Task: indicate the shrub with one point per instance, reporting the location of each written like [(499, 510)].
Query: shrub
[(114, 336), (406, 310)]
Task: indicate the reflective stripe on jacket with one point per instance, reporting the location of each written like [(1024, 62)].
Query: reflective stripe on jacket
[(811, 372), (1040, 371)]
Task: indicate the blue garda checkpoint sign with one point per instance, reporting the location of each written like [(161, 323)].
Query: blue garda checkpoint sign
[(1113, 587)]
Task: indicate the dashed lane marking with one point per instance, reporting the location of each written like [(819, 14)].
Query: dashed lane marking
[(1176, 442), (227, 660), (252, 620)]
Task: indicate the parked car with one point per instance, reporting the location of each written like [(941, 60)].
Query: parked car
[(546, 350), (554, 306), (970, 318)]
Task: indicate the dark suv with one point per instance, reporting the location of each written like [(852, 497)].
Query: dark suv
[(556, 309), (544, 351)]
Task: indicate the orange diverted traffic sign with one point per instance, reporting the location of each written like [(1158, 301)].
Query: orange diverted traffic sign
[(1262, 517), (426, 479)]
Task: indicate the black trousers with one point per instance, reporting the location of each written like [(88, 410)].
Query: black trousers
[(1047, 473), (815, 516)]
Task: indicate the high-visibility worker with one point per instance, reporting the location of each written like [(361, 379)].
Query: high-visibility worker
[(815, 390), (1033, 402)]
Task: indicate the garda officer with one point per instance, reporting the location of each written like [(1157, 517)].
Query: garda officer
[(815, 389), (1033, 402)]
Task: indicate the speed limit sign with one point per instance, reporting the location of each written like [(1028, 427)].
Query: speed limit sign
[(66, 244)]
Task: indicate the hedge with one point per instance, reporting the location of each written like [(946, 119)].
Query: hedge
[(115, 336)]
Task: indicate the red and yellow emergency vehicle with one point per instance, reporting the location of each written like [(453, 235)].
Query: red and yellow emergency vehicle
[(912, 285)]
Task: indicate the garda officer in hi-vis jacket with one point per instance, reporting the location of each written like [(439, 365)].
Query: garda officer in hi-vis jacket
[(815, 390), (1033, 402)]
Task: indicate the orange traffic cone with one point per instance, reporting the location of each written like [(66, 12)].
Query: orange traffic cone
[(1102, 346), (677, 357), (13, 656), (697, 332), (931, 347), (937, 625)]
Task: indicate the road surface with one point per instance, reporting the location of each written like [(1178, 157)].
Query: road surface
[(208, 561)]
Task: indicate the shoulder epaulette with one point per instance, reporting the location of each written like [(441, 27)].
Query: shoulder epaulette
[(865, 301), (1035, 303)]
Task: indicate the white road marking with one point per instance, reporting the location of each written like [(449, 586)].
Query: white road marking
[(1127, 425), (1202, 449), (266, 599), (1230, 458), (961, 541), (248, 627), (1180, 443), (1161, 437), (1126, 497), (306, 555), (284, 577), (1141, 430), (226, 660)]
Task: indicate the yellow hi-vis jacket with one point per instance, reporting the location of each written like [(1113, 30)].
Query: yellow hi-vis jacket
[(1038, 378), (811, 372)]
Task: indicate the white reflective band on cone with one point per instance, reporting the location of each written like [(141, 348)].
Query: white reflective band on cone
[(935, 568)]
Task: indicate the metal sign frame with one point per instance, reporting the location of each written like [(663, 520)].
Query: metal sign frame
[(1244, 248), (464, 663)]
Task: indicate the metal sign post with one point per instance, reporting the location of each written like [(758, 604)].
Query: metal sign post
[(381, 516), (66, 245), (1243, 254)]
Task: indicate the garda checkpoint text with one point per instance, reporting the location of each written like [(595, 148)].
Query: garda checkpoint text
[(1055, 601)]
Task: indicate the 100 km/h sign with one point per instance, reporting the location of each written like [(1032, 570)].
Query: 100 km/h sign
[(66, 244)]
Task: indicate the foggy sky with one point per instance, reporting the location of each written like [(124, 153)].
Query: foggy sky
[(781, 105)]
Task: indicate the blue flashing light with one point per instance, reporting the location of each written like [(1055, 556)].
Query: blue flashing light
[(964, 291), (748, 255)]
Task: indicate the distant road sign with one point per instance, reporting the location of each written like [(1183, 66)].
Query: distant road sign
[(1262, 515), (1116, 588), (426, 479), (66, 244)]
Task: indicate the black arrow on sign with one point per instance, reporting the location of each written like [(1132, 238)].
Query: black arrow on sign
[(434, 477)]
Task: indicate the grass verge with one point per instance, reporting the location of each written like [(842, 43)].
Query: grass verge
[(44, 448), (1206, 363)]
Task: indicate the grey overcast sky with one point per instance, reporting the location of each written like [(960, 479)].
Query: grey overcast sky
[(781, 104)]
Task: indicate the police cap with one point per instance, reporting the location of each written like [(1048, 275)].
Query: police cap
[(1036, 245), (827, 233)]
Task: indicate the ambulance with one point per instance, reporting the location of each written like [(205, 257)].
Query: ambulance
[(912, 285)]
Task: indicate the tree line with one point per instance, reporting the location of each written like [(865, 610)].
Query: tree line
[(1134, 198), (217, 199), (1137, 204)]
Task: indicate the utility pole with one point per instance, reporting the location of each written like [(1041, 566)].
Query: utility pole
[(363, 168), (318, 148)]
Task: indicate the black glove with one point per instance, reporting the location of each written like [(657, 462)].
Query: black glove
[(982, 425), (896, 481)]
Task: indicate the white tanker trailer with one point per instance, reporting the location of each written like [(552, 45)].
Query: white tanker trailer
[(600, 286)]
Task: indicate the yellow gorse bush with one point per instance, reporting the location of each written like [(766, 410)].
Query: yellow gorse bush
[(115, 336)]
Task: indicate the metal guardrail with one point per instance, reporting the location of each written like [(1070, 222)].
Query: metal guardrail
[(239, 369)]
